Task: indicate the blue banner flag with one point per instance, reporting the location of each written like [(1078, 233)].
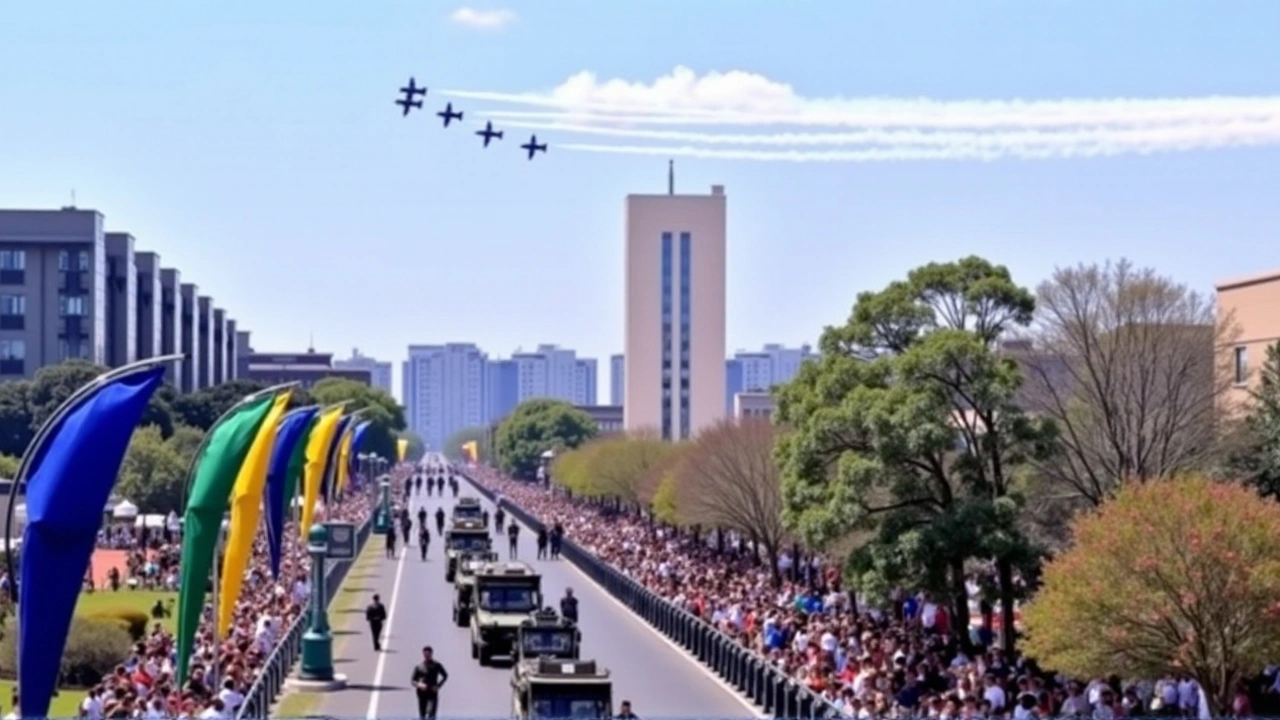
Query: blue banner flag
[(330, 479), (293, 428), (357, 436), (72, 467)]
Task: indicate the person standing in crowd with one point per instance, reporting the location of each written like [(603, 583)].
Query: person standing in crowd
[(513, 541), (376, 616), (542, 543), (428, 677)]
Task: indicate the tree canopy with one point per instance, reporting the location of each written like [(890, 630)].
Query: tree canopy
[(385, 413), (154, 472), (479, 434), (202, 408), (628, 468), (536, 426), (908, 428), (1173, 577)]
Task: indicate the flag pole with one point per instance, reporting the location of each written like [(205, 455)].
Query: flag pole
[(29, 454), (215, 568)]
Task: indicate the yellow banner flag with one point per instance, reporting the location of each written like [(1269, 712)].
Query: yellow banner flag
[(246, 511), (317, 455), (402, 447), (471, 450), (344, 457)]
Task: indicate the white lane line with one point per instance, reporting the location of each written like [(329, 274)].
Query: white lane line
[(755, 710), (386, 639)]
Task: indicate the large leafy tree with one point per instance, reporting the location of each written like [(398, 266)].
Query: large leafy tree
[(907, 429), (153, 474), (623, 467), (1173, 577), (380, 408), (536, 426), (201, 409)]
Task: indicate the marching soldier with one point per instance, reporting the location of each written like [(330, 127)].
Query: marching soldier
[(513, 541), (424, 540), (376, 615)]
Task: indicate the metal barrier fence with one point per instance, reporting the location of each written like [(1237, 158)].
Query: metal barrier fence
[(778, 693), (263, 692)]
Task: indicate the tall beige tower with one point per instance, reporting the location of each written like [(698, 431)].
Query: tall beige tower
[(675, 313)]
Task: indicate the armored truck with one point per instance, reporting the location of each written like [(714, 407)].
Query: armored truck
[(505, 594), (546, 634), (464, 536), (548, 688), (467, 508), (464, 583)]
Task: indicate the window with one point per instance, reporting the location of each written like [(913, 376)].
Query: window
[(686, 305), (83, 259), (1241, 365), (70, 349), (13, 304), (13, 259), (666, 335), (72, 305), (13, 349)]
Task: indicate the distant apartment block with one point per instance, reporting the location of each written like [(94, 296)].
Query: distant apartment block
[(752, 405), (608, 417), (617, 379), (148, 305), (379, 371), (755, 372), (274, 368), (502, 389), (444, 390), (555, 373)]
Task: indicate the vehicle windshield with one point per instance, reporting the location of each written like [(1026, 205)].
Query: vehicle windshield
[(544, 642), (469, 542), (467, 512), (509, 599), (571, 707)]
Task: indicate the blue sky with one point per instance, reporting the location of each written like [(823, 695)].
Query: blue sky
[(255, 146)]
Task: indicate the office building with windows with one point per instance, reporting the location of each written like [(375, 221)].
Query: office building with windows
[(232, 361), (759, 372), (380, 372), (502, 389), (190, 339), (617, 380), (673, 359), (69, 289), (444, 390), (555, 373), (204, 341)]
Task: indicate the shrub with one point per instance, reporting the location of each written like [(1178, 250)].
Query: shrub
[(94, 647), (133, 620)]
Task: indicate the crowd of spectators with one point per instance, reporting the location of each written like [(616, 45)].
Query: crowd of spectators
[(223, 669), (898, 660)]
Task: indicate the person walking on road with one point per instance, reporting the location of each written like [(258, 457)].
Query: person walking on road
[(428, 677), (391, 543), (440, 521), (376, 615), (569, 605), (513, 541), (424, 540), (542, 543), (406, 526), (422, 518)]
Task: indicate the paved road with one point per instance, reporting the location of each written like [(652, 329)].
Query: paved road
[(659, 678)]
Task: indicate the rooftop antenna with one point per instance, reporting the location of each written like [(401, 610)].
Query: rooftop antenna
[(671, 177), (311, 343)]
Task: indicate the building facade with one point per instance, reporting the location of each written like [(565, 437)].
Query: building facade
[(122, 300), (444, 390), (147, 305), (617, 379), (502, 389), (752, 405), (379, 371), (1251, 304), (675, 312), (753, 372), (608, 417)]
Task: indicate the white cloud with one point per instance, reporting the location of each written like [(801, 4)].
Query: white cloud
[(874, 128), (483, 19)]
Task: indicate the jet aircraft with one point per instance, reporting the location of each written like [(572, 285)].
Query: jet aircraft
[(411, 91), (488, 133), (448, 114), (533, 147)]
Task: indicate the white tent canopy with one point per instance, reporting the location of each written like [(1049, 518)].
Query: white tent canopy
[(125, 511)]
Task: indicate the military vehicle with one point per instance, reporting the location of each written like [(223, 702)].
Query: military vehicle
[(464, 536), (546, 634), (505, 594), (467, 508), (549, 688), (464, 582)]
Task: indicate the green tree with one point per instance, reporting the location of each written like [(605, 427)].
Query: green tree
[(536, 426), (1255, 443), (416, 448), (908, 429), (380, 408), (1173, 577), (9, 466), (153, 474), (202, 408), (453, 445), (15, 417), (185, 440)]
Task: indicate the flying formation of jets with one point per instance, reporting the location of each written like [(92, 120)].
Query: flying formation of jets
[(409, 102)]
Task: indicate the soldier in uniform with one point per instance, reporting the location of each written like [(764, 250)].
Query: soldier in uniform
[(424, 540), (440, 521), (513, 541), (391, 543), (376, 615), (569, 605)]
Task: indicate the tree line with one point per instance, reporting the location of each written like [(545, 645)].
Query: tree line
[(153, 474)]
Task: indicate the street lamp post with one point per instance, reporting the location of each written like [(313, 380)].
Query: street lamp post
[(382, 518), (317, 642)]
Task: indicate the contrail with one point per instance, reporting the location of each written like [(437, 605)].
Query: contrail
[(1174, 137), (891, 154)]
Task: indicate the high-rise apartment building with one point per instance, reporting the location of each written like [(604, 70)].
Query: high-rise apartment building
[(755, 372), (69, 289), (556, 373), (444, 390), (617, 380), (585, 377), (379, 372), (502, 389), (675, 312)]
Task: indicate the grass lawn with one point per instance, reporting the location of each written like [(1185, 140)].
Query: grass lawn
[(141, 600), (297, 704), (65, 705)]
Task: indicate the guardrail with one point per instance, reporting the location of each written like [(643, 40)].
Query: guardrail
[(775, 691), (279, 664)]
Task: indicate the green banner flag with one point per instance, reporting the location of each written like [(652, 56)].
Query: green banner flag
[(226, 445)]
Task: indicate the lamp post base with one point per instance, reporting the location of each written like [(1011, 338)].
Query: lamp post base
[(337, 682), (317, 657)]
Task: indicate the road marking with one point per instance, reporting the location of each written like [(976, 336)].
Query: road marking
[(755, 710), (386, 642)]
